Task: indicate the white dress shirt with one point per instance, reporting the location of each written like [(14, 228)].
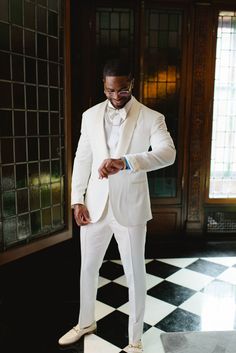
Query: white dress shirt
[(113, 120)]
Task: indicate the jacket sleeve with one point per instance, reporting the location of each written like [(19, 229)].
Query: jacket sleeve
[(163, 151), (81, 167)]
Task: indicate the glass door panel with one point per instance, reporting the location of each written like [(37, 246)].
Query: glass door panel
[(161, 84)]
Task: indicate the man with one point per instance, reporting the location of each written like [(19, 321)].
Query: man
[(110, 193)]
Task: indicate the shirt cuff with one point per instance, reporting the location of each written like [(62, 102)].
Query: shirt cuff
[(128, 166)]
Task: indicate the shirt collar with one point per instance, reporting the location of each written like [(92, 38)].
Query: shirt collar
[(123, 111)]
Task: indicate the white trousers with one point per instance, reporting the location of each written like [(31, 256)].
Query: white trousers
[(95, 239)]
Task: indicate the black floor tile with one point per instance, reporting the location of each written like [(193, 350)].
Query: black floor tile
[(171, 293), (160, 269), (180, 320), (114, 328), (111, 270), (113, 294), (207, 267)]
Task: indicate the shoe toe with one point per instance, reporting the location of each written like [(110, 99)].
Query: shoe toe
[(69, 338)]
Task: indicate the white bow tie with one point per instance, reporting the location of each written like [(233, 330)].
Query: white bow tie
[(114, 112)]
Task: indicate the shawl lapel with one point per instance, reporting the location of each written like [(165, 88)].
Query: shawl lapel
[(99, 132), (128, 129)]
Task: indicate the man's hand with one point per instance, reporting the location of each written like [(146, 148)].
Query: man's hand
[(81, 214), (110, 166)]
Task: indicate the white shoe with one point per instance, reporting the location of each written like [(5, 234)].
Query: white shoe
[(135, 348), (76, 333)]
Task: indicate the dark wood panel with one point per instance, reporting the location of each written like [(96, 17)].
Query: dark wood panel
[(165, 221)]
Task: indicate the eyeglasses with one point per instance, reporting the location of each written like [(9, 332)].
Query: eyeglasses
[(121, 93)]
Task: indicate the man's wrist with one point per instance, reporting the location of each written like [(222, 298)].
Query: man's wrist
[(124, 163)]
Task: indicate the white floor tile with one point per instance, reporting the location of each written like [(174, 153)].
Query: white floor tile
[(152, 281), (148, 260), (226, 261), (121, 280), (95, 344), (155, 310), (190, 279), (152, 342), (102, 281), (228, 275), (194, 304), (102, 310), (180, 262)]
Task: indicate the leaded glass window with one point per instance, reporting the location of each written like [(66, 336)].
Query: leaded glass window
[(31, 120), (223, 144)]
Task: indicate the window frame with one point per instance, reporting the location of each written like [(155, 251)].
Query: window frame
[(46, 241), (208, 200)]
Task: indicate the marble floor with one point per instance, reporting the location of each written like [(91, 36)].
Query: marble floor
[(184, 294), (40, 302)]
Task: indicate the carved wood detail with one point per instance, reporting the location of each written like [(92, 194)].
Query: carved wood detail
[(198, 115)]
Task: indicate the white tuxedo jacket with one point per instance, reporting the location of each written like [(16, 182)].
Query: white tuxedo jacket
[(127, 190)]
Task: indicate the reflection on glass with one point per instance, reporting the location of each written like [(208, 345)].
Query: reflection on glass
[(35, 219), (55, 147), (22, 201), (57, 216), (46, 219), (8, 178), (45, 195), (9, 231), (9, 205), (55, 170), (54, 124), (21, 175), (44, 172), (33, 173), (56, 193), (23, 227), (34, 198)]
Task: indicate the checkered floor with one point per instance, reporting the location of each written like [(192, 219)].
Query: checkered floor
[(184, 294)]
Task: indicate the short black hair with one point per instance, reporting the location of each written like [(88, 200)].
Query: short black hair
[(117, 67)]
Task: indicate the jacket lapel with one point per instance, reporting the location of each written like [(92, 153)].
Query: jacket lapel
[(128, 129), (99, 131)]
